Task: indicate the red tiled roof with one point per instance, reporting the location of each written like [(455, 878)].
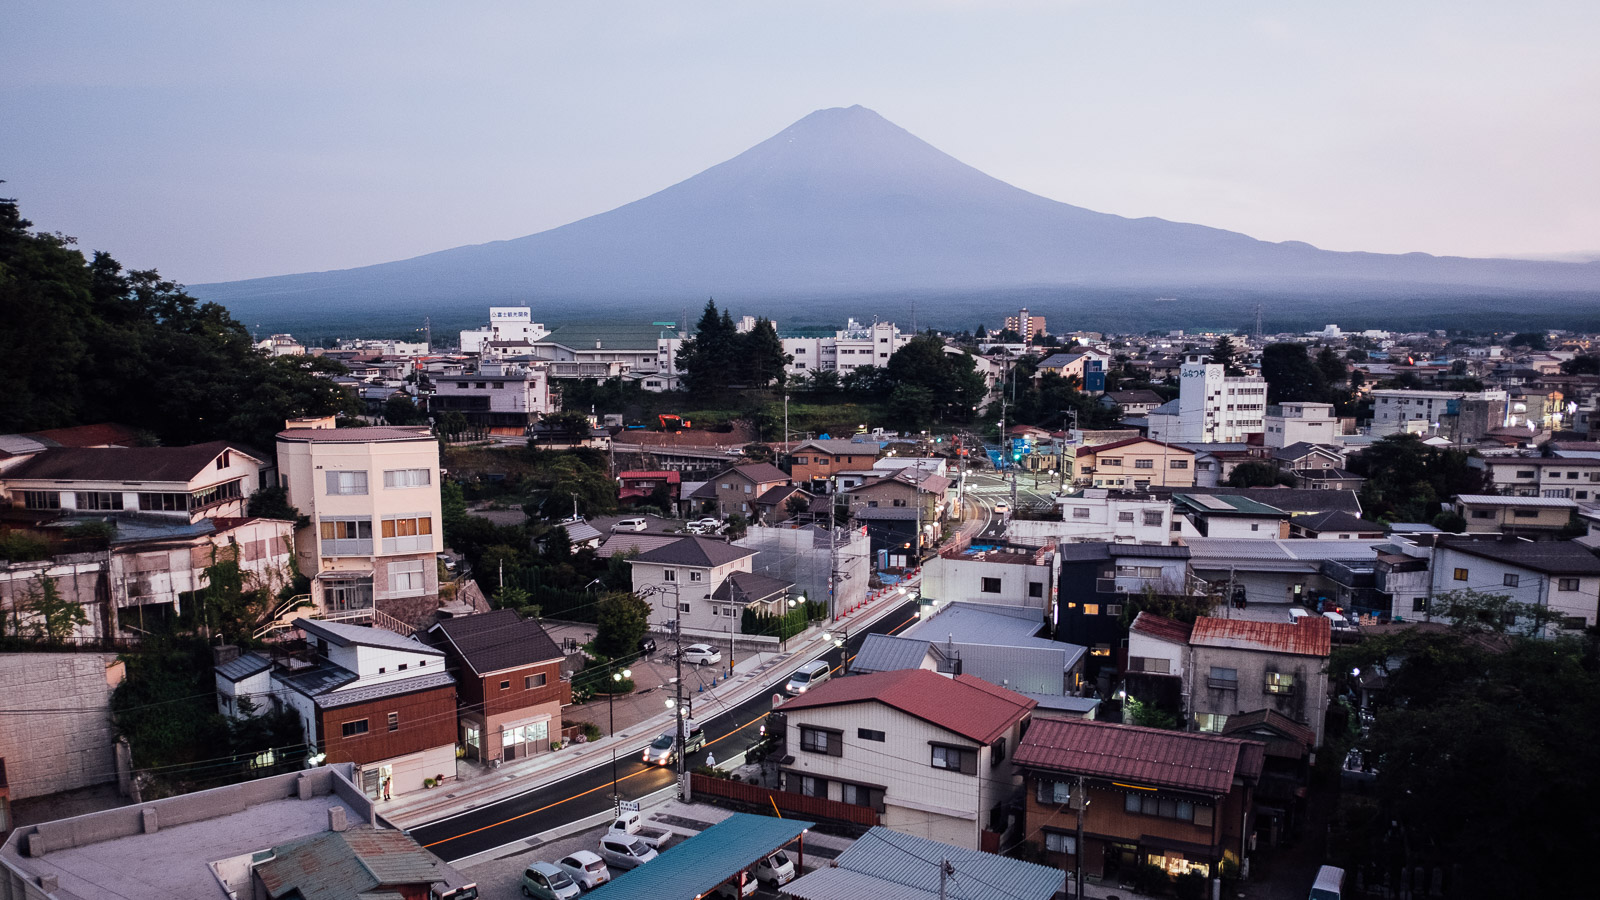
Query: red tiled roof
[(671, 477), (1311, 636), (1161, 628), (1282, 735), (104, 434), (965, 705), (1148, 757)]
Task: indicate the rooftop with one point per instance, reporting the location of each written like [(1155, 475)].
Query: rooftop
[(1144, 756), (337, 865), (751, 587), (1161, 628), (497, 640), (372, 434), (889, 865), (1334, 520), (1226, 505), (342, 635), (964, 705), (1522, 502), (695, 551), (1550, 557), (695, 867), (1311, 636), (166, 464)]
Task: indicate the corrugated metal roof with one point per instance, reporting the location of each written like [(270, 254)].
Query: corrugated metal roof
[(888, 865), (363, 635), (364, 693), (964, 705), (1148, 757), (1161, 628), (335, 865), (244, 666), (1538, 502), (888, 653), (1311, 636), (696, 866), (368, 434)]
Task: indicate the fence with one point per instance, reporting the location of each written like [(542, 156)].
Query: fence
[(765, 798)]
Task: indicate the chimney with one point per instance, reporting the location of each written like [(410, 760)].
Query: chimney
[(303, 787), (224, 653), (336, 819), (149, 821)]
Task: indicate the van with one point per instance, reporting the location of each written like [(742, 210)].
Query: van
[(625, 851), (631, 525), (809, 676), (1329, 884)]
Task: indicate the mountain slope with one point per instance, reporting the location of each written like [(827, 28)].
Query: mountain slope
[(844, 201)]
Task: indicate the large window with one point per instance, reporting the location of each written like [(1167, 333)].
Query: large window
[(406, 478), (1224, 679), (346, 594), (817, 740), (1164, 807), (352, 729), (165, 501), (1144, 464), (41, 499), (1054, 791), (346, 483), (217, 493), (1279, 683), (990, 586), (407, 578), (1155, 664), (1057, 842), (1567, 584), (1211, 723), (861, 795), (346, 537), (100, 500), (407, 534), (955, 759), (1080, 512)]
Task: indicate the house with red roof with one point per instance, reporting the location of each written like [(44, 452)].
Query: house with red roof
[(1178, 800), (931, 753), (1240, 666)]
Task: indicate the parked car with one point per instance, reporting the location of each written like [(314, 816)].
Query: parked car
[(775, 869), (624, 851), (586, 868), (809, 676), (732, 890), (547, 881), (661, 751), (647, 645), (704, 526), (701, 654), (631, 525), (1338, 621)]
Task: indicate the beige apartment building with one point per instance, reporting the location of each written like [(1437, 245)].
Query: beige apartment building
[(372, 495), (1134, 464)]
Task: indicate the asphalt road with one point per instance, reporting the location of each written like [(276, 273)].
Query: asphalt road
[(1031, 493), (586, 793)]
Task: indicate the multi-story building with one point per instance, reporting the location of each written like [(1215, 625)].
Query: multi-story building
[(1295, 423), (506, 323), (1212, 406), (204, 481), (508, 683), (372, 497), (853, 347), (1560, 576), (501, 397), (1544, 476), (1491, 514), (1241, 665), (1026, 325), (947, 741), (999, 574), (1098, 514), (1096, 581), (750, 490), (705, 585), (1464, 415), (815, 462), (1134, 464), (1227, 516)]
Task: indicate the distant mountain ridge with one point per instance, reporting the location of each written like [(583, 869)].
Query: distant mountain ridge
[(846, 202)]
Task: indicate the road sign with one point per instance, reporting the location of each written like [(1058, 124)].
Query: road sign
[(628, 805)]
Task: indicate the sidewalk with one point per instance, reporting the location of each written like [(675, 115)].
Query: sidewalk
[(640, 717)]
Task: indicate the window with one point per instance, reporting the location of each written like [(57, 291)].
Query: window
[(1567, 584), (669, 574), (1224, 679), (346, 483), (997, 753), (394, 721), (1152, 518), (1482, 514), (1211, 723), (505, 685), (1091, 609), (813, 787), (683, 607), (1419, 604), (407, 578), (529, 682), (1057, 842), (99, 500), (990, 586), (1154, 664), (1126, 516), (403, 534), (1524, 473), (694, 575), (346, 537), (1178, 464), (1035, 589), (1574, 623), (1054, 791), (164, 502), (1114, 609), (816, 740), (351, 729), (1081, 512), (407, 478), (1510, 579), (1164, 807), (861, 795), (223, 460), (1461, 575), (1112, 461), (1279, 683), (217, 493), (955, 759), (867, 734), (1144, 464), (1525, 514)]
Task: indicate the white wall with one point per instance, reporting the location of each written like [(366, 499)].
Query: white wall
[(1533, 588)]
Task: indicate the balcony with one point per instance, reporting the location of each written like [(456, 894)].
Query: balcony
[(1223, 684)]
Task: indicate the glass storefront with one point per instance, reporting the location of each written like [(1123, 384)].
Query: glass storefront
[(519, 741)]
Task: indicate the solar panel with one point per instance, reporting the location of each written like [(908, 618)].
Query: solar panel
[(1210, 502)]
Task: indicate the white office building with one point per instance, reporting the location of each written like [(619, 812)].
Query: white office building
[(1212, 406), (506, 323), (1293, 423), (853, 347)]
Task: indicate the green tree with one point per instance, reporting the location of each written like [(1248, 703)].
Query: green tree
[(1407, 479), (709, 360), (272, 503), (1332, 367), (621, 619), (1479, 611), (1224, 354), (1291, 376), (760, 356), (952, 381), (738, 526), (911, 406), (52, 618), (1533, 340), (401, 411), (1587, 364), (1258, 474), (759, 453)]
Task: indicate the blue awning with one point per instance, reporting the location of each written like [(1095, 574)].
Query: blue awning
[(695, 867)]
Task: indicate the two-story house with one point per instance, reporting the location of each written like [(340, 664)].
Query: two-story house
[(203, 481), (1544, 476), (1561, 576), (1158, 649), (1227, 516), (1177, 800), (1136, 463), (372, 497), (751, 490), (815, 462), (705, 585), (1096, 581), (1001, 574), (930, 753), (508, 683), (365, 696), (1489, 514), (1241, 665), (893, 507), (1099, 514)]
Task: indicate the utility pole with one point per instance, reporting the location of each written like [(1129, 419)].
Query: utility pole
[(833, 557), (1077, 849), (945, 871)]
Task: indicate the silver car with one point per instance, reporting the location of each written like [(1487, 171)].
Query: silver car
[(661, 752)]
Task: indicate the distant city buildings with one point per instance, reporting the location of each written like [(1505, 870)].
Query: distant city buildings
[(506, 323), (853, 347), (1025, 324)]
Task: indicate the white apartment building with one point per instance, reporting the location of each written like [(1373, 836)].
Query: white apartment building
[(1562, 576), (1293, 423), (1395, 411), (1212, 407), (1098, 514), (506, 323), (850, 348), (372, 495), (501, 396)]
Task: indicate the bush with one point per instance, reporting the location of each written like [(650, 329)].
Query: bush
[(19, 546), (1150, 879), (1191, 886)]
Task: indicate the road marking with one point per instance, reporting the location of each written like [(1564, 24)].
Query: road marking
[(541, 809)]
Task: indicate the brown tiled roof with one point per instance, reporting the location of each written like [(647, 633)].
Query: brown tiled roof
[(1161, 628), (1282, 735), (964, 705), (170, 464), (1117, 445), (760, 473), (1311, 636), (493, 641), (1148, 757)]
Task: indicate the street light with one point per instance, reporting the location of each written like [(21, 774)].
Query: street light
[(611, 707), (784, 625)]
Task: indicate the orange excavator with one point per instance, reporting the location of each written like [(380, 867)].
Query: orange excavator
[(670, 422)]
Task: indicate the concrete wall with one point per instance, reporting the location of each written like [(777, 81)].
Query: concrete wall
[(46, 753)]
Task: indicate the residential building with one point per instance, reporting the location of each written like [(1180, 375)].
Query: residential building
[(1227, 516), (1283, 573), (705, 585), (501, 397), (1402, 579), (364, 695), (1070, 365), (1158, 646), (1544, 476), (1001, 645), (1026, 325), (348, 860), (888, 863), (1135, 464), (281, 345), (752, 490), (947, 742), (1145, 796), (917, 496), (853, 347), (1334, 526), (14, 448), (508, 683), (1099, 514), (1243, 665), (1287, 424), (640, 487), (1134, 404), (1560, 576), (643, 353), (1463, 415), (1096, 580), (1004, 574), (815, 462), (1302, 457), (1212, 406), (1488, 513), (202, 481), (506, 323), (372, 498), (57, 735), (1280, 795)]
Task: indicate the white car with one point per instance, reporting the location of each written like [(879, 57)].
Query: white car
[(1001, 508), (625, 852), (701, 655), (775, 869), (631, 525), (703, 526), (809, 676), (731, 890), (586, 868)]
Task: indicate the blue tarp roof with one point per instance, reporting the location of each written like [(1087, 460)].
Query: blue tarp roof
[(695, 867)]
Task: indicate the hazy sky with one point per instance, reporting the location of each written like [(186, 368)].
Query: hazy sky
[(228, 140)]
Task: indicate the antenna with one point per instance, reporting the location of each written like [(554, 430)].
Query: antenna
[(1259, 332)]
